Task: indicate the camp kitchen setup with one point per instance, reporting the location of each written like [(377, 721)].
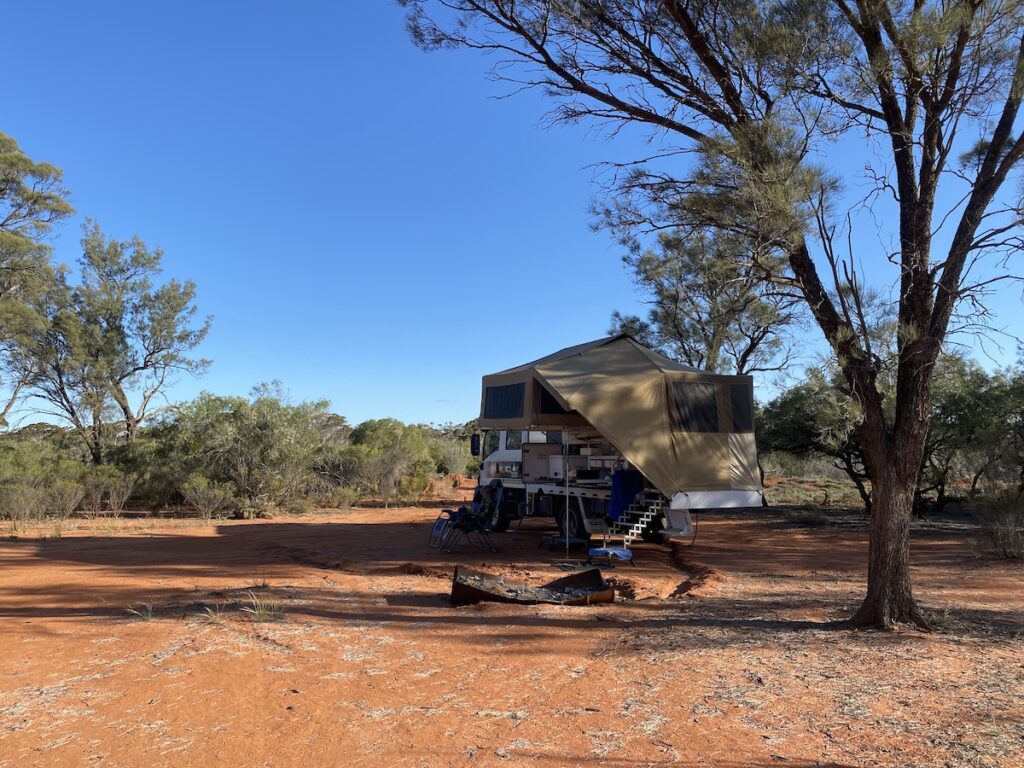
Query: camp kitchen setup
[(612, 432)]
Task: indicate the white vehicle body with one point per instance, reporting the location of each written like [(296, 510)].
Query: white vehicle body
[(503, 461)]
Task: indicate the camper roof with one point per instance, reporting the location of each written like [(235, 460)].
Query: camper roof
[(684, 428)]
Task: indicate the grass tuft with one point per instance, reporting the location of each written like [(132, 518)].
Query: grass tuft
[(143, 611), (263, 608), (214, 614)]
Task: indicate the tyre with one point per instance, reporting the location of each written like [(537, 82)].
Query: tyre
[(577, 528)]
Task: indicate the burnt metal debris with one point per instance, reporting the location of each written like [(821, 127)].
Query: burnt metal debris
[(586, 587)]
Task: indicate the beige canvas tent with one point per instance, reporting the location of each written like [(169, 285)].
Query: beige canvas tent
[(684, 429)]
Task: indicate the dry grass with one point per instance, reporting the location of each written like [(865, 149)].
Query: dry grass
[(263, 608), (822, 492)]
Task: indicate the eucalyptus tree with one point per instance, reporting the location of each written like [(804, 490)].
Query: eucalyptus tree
[(707, 309), (32, 200), (114, 342), (757, 109)]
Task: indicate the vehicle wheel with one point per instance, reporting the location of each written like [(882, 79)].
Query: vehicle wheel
[(652, 531), (577, 529)]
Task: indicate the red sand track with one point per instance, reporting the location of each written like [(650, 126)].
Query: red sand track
[(730, 655)]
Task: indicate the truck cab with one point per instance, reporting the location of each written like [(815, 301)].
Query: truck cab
[(501, 456)]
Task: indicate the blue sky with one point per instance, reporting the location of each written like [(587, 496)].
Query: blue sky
[(365, 221)]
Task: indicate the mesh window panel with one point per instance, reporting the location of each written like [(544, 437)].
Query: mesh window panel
[(504, 402), (696, 406), (548, 404), (742, 411)]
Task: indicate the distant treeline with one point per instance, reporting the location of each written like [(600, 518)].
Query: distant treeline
[(227, 456), (975, 442)]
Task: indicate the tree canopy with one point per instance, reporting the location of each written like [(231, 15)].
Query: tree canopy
[(752, 105), (32, 200), (707, 309), (112, 343)]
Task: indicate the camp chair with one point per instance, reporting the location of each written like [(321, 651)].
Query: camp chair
[(453, 525)]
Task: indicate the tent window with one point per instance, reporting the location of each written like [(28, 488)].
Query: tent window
[(696, 406), (504, 402), (548, 404), (742, 412)]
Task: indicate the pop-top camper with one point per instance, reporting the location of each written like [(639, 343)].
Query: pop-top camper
[(617, 431)]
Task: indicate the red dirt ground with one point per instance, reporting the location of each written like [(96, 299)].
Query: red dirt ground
[(729, 652)]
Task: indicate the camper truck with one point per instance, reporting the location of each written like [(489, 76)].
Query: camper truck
[(613, 430)]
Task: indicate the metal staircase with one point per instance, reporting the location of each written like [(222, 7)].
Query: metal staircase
[(641, 512)]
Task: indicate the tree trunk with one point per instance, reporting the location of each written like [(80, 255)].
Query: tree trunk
[(96, 451), (846, 457), (865, 495), (889, 599), (760, 473)]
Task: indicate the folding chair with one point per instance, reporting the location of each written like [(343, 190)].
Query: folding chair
[(452, 526), (441, 530)]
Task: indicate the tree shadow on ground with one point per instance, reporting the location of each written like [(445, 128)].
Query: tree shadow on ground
[(245, 554)]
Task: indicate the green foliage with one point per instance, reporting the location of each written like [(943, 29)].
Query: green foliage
[(269, 453), (340, 497), (975, 429), (210, 499), (21, 504), (32, 200), (386, 453), (1002, 517), (708, 309), (37, 478), (97, 482), (115, 341), (62, 497), (450, 456)]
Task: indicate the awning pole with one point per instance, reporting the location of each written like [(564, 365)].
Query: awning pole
[(565, 469)]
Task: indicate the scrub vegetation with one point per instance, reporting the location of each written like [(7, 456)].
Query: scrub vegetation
[(96, 354)]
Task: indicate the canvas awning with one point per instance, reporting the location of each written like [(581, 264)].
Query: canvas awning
[(683, 428)]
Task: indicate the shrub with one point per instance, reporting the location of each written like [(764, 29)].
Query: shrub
[(272, 453), (344, 497), (96, 483), (210, 499), (62, 498), (22, 504), (1002, 521), (253, 509), (119, 490), (451, 455)]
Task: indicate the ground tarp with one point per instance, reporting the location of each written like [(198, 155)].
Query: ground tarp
[(684, 429)]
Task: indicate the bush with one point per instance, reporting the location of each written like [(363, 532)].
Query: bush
[(62, 498), (343, 497), (804, 466), (451, 455), (119, 490), (389, 456), (22, 504), (94, 488), (96, 484), (211, 500), (1002, 521), (270, 452), (255, 509)]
